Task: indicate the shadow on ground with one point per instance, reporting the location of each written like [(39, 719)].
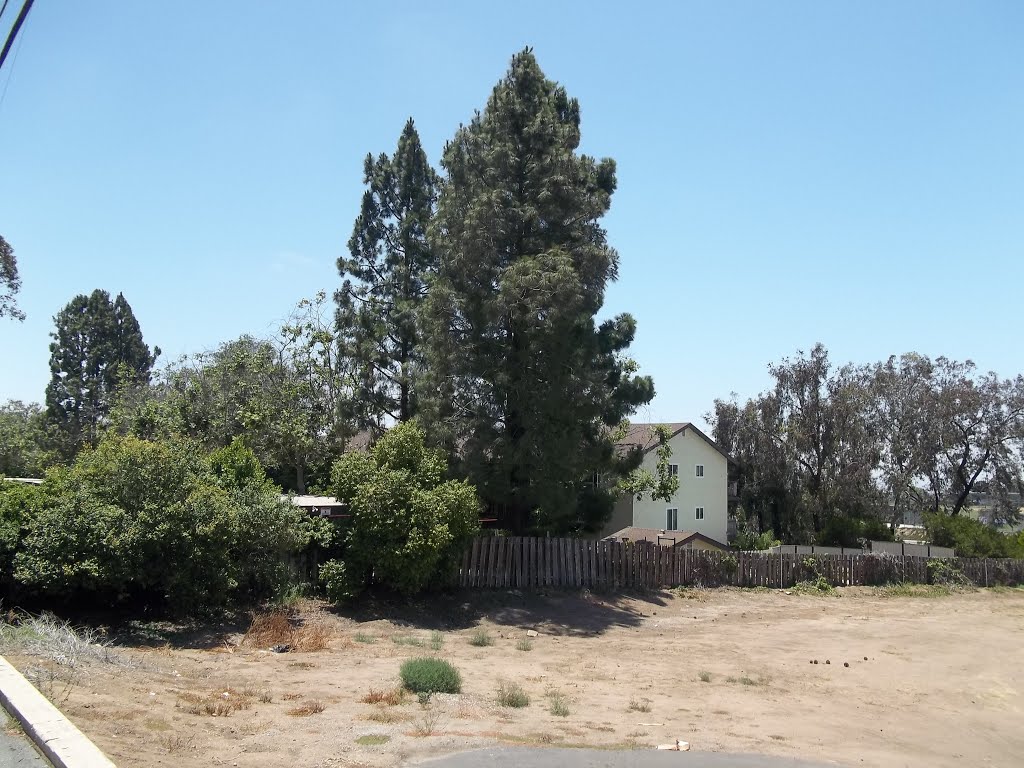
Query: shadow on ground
[(580, 613), (554, 613)]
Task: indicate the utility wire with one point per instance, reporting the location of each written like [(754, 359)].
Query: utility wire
[(14, 30), (2, 9)]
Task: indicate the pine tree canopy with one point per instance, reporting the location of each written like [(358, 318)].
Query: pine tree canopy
[(526, 386)]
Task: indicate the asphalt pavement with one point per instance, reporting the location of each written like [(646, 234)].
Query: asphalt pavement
[(526, 757), (16, 749)]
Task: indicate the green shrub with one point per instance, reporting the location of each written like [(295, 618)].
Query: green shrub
[(559, 705), (338, 585), (512, 695), (428, 675), (970, 537), (134, 519), (747, 539), (481, 638), (408, 524)]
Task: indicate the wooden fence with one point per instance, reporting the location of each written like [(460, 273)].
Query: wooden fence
[(535, 563)]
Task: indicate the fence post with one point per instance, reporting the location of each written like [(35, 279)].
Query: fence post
[(986, 571)]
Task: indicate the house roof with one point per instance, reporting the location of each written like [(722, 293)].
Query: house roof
[(663, 537), (640, 435)]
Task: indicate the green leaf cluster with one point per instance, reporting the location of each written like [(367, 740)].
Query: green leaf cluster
[(407, 522), (159, 523)]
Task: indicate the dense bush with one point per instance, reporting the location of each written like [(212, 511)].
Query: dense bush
[(747, 539), (972, 538), (429, 675), (156, 522), (851, 531), (407, 522)]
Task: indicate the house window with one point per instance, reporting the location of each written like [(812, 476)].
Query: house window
[(673, 470), (699, 470), (672, 519), (699, 513)]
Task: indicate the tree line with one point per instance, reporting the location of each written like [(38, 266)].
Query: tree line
[(832, 454), (461, 348)]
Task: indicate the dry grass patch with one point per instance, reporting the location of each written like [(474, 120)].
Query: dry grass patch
[(307, 708), (639, 705), (392, 698), (384, 715), (280, 628), (217, 703)]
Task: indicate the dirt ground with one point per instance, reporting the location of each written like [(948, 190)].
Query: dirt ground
[(931, 681)]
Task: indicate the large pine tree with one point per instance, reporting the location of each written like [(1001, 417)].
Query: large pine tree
[(97, 348), (385, 282), (526, 387)]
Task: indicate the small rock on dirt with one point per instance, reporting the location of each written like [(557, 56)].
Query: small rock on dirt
[(531, 633), (283, 648), (846, 663)]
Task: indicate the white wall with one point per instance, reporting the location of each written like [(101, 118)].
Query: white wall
[(710, 491)]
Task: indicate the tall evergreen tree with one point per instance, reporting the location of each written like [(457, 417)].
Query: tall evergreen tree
[(10, 282), (385, 282), (526, 387), (97, 348)]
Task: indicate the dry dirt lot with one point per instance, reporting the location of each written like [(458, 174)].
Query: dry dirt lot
[(931, 681)]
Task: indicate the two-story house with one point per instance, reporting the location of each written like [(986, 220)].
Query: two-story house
[(702, 502)]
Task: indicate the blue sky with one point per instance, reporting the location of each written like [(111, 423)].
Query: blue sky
[(789, 172)]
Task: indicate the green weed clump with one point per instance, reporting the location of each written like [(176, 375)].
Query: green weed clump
[(512, 695), (481, 639), (428, 675)]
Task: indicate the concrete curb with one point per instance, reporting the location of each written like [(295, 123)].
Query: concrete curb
[(63, 744)]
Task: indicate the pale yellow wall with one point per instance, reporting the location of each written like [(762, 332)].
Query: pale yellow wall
[(710, 491)]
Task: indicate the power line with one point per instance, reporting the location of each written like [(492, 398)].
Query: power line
[(14, 30), (2, 9)]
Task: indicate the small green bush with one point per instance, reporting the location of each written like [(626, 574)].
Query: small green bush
[(427, 675), (481, 639), (436, 640), (526, 644), (559, 705), (338, 583), (512, 695)]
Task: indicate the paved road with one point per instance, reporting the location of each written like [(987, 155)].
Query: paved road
[(525, 757), (16, 750)]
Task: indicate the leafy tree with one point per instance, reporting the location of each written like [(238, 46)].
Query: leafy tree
[(97, 348), (246, 389), (10, 282), (18, 503), (133, 519), (385, 282), (25, 445), (660, 484), (805, 448), (903, 415), (407, 522), (525, 388), (981, 428)]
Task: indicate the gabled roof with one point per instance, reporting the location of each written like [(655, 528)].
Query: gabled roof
[(663, 537), (640, 435)]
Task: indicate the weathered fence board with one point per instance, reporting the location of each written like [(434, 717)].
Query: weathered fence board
[(521, 562)]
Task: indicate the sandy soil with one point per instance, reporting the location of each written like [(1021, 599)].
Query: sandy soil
[(931, 681)]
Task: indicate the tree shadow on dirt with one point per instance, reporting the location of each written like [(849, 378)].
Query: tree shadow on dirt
[(198, 635), (552, 613), (581, 613)]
